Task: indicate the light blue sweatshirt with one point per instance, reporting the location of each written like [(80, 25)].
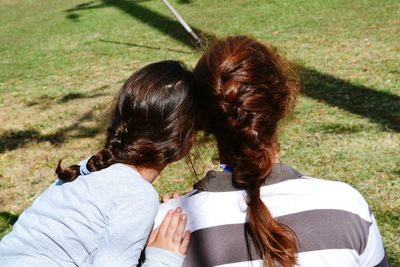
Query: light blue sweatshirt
[(100, 219)]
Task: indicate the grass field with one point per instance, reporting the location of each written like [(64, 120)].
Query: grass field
[(61, 62)]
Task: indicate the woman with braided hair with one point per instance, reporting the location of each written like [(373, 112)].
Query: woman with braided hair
[(100, 213), (258, 211)]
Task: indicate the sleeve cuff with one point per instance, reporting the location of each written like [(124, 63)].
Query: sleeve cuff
[(162, 257)]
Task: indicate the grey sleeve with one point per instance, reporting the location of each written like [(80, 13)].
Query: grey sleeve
[(157, 257)]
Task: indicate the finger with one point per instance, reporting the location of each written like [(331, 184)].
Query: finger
[(180, 230), (174, 224), (185, 243), (165, 224), (153, 236), (175, 195), (165, 198)]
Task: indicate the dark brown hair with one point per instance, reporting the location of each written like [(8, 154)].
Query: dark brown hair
[(244, 88), (152, 121)]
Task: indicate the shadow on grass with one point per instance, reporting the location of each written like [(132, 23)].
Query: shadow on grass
[(7, 220), (147, 46), (336, 128), (185, 1), (379, 107), (11, 140), (72, 96), (46, 100), (164, 24)]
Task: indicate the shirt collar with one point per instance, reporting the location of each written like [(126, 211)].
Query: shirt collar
[(216, 181)]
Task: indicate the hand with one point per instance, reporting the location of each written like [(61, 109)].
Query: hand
[(166, 198), (171, 234)]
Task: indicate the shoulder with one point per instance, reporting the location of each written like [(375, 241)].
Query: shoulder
[(322, 187), (336, 212), (340, 191), (309, 193), (124, 180), (127, 189)]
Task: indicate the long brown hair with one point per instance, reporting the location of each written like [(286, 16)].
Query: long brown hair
[(152, 121), (244, 88)]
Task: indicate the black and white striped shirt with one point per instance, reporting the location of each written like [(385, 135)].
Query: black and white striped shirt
[(331, 220)]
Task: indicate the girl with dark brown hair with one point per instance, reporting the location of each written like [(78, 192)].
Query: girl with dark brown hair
[(260, 211), (100, 213)]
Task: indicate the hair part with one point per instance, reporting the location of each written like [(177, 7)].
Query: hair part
[(152, 121), (245, 88)]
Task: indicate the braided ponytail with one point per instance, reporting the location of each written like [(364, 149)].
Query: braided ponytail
[(244, 89), (152, 121), (103, 159)]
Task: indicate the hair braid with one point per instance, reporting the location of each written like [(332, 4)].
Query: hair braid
[(103, 159), (152, 121), (245, 89)]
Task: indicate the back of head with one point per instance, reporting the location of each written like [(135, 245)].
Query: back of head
[(244, 89), (152, 121)]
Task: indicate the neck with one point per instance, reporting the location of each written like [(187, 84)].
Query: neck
[(276, 158), (149, 174)]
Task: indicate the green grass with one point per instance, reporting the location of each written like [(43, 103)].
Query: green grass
[(6, 222), (62, 61)]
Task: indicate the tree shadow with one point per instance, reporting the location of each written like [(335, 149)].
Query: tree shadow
[(46, 100), (73, 96), (337, 128), (147, 46), (8, 217), (379, 107), (149, 17), (11, 140), (7, 220), (185, 1)]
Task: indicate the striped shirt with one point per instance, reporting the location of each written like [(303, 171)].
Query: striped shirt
[(332, 221)]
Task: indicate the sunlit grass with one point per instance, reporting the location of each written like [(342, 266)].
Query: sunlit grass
[(61, 62)]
